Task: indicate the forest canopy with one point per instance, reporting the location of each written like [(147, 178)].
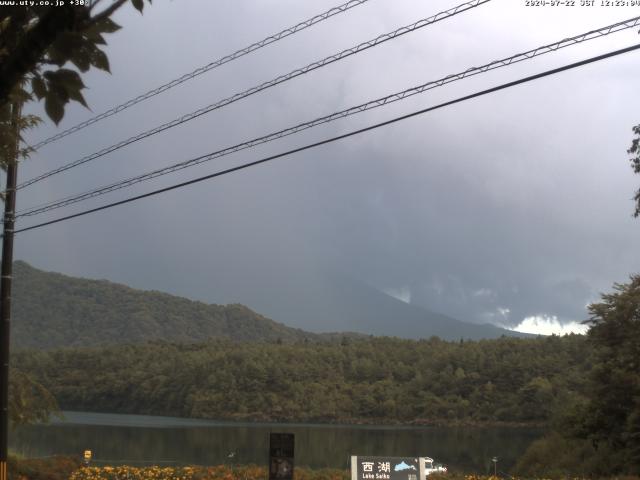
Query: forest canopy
[(373, 380)]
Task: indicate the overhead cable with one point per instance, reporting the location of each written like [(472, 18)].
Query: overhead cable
[(271, 83), (199, 71), (379, 102), (338, 137)]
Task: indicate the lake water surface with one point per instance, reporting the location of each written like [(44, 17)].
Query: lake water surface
[(141, 439)]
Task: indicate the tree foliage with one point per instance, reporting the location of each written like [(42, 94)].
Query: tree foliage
[(372, 380), (613, 414), (634, 150), (36, 42), (38, 45), (600, 435), (29, 400), (9, 144)]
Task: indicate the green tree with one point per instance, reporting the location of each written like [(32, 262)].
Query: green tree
[(29, 400), (600, 434), (7, 131), (36, 45), (36, 42), (634, 150), (613, 413)]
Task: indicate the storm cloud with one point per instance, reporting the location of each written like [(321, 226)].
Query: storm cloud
[(508, 206)]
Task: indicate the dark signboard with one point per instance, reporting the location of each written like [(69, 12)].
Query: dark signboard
[(281, 456), (387, 468)]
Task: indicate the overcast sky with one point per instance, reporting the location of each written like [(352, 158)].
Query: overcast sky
[(514, 207)]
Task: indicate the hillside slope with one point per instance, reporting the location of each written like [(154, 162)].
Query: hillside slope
[(53, 310)]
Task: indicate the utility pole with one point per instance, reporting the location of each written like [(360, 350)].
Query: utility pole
[(5, 286)]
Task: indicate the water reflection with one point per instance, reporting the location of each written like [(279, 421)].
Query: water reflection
[(142, 439)]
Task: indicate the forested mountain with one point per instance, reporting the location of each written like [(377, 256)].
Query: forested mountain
[(53, 310), (372, 380)]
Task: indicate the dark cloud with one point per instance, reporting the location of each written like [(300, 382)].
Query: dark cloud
[(500, 208)]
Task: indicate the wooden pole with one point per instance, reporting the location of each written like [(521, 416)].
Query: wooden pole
[(5, 289)]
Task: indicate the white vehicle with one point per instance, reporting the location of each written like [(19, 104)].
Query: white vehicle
[(430, 467)]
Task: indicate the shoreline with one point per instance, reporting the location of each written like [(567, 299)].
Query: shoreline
[(161, 421)]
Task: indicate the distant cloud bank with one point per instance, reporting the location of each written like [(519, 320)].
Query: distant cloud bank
[(549, 325)]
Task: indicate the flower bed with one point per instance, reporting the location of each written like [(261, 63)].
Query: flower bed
[(197, 473)]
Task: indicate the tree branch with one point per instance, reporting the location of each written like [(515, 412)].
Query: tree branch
[(106, 13)]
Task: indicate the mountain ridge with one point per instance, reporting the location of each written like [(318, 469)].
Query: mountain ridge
[(52, 310)]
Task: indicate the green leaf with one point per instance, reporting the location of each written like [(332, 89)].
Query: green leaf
[(68, 78), (77, 96), (106, 25), (81, 58), (94, 37), (56, 56), (54, 107), (59, 91), (29, 121), (66, 43), (99, 60), (38, 86), (67, 84), (138, 4)]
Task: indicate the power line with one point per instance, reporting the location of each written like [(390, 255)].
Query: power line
[(339, 137), (379, 102), (199, 71), (271, 83)]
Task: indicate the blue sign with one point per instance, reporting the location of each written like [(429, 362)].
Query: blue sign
[(387, 468)]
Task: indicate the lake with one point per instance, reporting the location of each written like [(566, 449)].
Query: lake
[(142, 440)]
